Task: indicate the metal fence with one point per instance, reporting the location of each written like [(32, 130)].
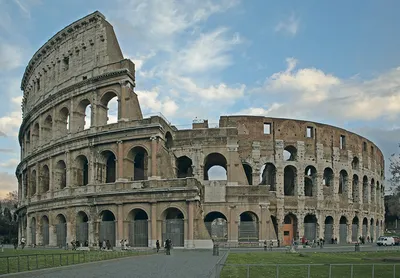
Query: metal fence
[(138, 233), (308, 270), (248, 231), (107, 231), (33, 234), (45, 234), (61, 233), (342, 233), (310, 231), (174, 230), (20, 263), (82, 232)]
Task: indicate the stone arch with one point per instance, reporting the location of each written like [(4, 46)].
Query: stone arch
[(139, 161), (365, 227), (44, 225), (82, 229), (138, 228), (371, 230), (83, 115), (248, 172), (63, 122), (33, 231), (47, 127), (343, 229), (354, 229), (310, 180), (81, 170), (32, 188), (217, 227), (28, 141), (248, 227), (61, 230), (290, 180), (372, 190), (290, 153), (365, 189), (268, 176), (108, 111), (355, 189), (343, 182), (328, 231), (310, 227), (184, 167), (217, 161), (355, 163), (169, 141), (107, 167), (35, 135), (290, 230), (173, 226), (60, 175), (107, 227), (328, 180), (44, 179)]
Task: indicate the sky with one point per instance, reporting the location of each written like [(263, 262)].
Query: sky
[(334, 62)]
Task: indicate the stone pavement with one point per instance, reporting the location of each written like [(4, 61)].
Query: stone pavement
[(181, 264)]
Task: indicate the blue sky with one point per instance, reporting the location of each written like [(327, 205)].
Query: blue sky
[(335, 62)]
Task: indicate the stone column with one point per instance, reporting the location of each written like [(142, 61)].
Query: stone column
[(37, 178), (154, 147), (52, 234), (153, 220), (232, 225), (120, 225), (190, 243), (51, 177), (120, 161), (92, 165), (68, 172)]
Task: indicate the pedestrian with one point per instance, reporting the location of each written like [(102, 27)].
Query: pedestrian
[(157, 245), (265, 245)]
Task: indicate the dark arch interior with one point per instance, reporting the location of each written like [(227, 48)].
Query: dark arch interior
[(173, 213), (107, 216), (310, 218), (355, 220), (210, 217), (214, 159), (139, 214), (329, 220), (169, 143), (139, 163), (82, 217), (249, 173), (61, 219), (248, 216), (184, 165), (343, 220)]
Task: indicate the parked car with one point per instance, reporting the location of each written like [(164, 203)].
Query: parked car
[(396, 240), (385, 241)]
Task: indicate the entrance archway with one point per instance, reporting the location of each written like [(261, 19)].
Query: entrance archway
[(371, 229), (217, 227), (365, 227), (45, 230), (173, 227), (328, 233), (138, 228), (82, 229), (342, 230), (310, 227), (354, 229), (248, 227), (61, 230), (33, 231), (107, 227), (289, 228)]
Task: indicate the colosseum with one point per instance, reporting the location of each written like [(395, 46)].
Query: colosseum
[(142, 179)]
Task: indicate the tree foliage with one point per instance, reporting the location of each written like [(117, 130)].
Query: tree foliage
[(8, 218), (392, 202)]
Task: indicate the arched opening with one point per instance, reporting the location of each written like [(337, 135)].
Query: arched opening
[(343, 182), (35, 135), (275, 224), (44, 179), (217, 227), (365, 190), (33, 231), (268, 176), (83, 115), (290, 153), (173, 227), (169, 142), (328, 182), (355, 163), (343, 230), (28, 141), (60, 175), (371, 230), (289, 180), (310, 179), (82, 229), (63, 122), (25, 184), (32, 188), (81, 171), (372, 191), (138, 228), (248, 172), (215, 167), (377, 231), (328, 233), (139, 157), (184, 165), (248, 227), (354, 229), (44, 223), (290, 231), (365, 227), (355, 190), (107, 167), (107, 227), (61, 230), (377, 194), (310, 227), (108, 111), (47, 129)]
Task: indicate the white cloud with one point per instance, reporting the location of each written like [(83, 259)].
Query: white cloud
[(8, 182), (11, 56), (10, 123), (150, 100), (11, 163), (290, 25)]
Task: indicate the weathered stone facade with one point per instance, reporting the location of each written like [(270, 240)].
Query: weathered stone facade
[(142, 179)]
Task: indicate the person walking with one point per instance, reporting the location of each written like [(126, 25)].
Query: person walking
[(158, 245)]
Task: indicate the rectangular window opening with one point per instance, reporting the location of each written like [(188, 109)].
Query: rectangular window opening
[(38, 84), (84, 77), (310, 132), (364, 146), (267, 128), (342, 142), (66, 63)]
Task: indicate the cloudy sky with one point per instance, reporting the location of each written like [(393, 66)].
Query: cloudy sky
[(335, 62)]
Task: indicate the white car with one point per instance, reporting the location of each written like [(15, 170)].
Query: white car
[(385, 241)]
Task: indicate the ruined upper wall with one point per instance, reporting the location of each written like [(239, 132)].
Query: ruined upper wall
[(70, 56)]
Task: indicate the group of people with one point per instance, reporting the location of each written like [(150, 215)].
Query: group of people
[(105, 245), (76, 243), (362, 239), (167, 246), (124, 244)]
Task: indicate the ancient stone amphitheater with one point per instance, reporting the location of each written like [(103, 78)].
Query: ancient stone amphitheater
[(143, 179)]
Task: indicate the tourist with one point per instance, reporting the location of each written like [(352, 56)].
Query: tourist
[(22, 242), (157, 245)]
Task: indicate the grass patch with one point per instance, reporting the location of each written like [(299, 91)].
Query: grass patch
[(12, 261), (363, 264)]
